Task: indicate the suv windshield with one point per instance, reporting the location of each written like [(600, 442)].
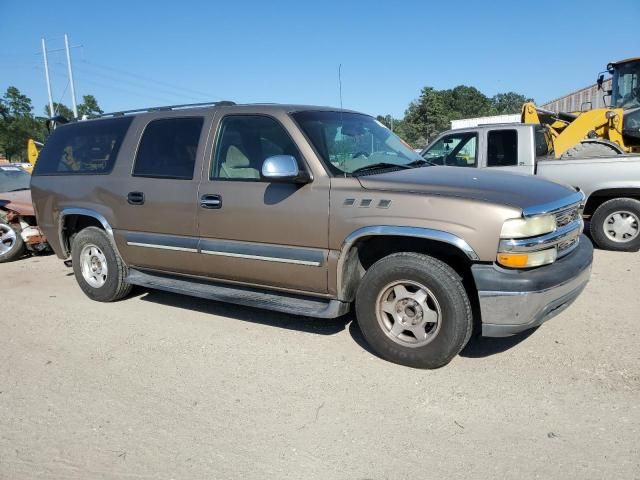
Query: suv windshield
[(350, 143), (627, 92), (13, 178)]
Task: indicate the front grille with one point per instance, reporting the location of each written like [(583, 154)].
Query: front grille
[(566, 216)]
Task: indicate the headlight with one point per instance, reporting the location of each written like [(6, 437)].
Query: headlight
[(526, 260), (528, 227)]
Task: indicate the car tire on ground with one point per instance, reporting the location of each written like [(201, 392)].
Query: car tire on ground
[(615, 225), (414, 310), (98, 268), (11, 243)]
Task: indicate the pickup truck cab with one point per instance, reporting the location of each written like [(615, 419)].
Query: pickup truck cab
[(310, 211), (611, 184)]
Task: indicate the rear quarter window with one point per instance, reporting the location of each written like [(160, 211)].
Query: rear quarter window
[(83, 148)]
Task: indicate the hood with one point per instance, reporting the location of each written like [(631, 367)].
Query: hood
[(19, 201), (504, 188)]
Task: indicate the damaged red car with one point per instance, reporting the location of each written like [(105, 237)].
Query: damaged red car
[(19, 232)]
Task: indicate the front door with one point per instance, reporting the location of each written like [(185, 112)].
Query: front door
[(158, 204), (255, 231)]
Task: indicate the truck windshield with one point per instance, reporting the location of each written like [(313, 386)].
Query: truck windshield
[(13, 178), (350, 143), (626, 90)]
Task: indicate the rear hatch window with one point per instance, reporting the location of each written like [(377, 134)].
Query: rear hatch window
[(85, 148)]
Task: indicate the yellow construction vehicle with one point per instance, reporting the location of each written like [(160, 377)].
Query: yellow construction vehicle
[(600, 131), (33, 150)]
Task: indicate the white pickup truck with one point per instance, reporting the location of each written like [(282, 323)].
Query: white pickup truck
[(611, 184)]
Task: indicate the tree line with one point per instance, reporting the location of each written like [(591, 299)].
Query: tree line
[(431, 113), (19, 123)]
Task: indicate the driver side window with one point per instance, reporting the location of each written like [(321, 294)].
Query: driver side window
[(455, 150), (244, 143)]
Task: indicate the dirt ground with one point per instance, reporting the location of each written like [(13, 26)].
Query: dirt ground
[(163, 386)]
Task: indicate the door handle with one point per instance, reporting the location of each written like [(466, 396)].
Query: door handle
[(211, 201), (135, 198)]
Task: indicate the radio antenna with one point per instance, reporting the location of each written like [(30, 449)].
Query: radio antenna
[(340, 83)]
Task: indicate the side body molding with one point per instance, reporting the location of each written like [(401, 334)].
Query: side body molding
[(88, 213), (393, 230)]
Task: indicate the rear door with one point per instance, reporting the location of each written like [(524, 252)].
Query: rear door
[(158, 200), (255, 231)]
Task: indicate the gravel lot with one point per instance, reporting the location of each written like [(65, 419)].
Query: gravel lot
[(163, 386)]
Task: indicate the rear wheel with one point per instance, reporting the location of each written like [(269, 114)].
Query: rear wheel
[(414, 310), (590, 150), (11, 243), (98, 268), (615, 225)]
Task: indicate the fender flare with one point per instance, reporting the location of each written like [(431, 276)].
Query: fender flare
[(393, 230), (87, 213)]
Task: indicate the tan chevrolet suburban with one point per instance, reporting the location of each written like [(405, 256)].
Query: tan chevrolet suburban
[(309, 211)]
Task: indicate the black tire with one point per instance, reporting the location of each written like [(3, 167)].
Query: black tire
[(13, 244), (115, 287), (456, 319), (589, 150), (600, 216)]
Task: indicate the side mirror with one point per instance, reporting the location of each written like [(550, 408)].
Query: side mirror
[(283, 168), (600, 81)]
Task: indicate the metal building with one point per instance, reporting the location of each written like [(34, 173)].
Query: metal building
[(583, 99)]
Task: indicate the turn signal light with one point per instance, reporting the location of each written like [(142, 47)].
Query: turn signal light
[(526, 260)]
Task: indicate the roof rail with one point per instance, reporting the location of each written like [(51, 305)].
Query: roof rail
[(222, 103)]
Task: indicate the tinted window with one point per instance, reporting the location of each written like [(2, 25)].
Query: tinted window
[(168, 148), (542, 142), (502, 148), (245, 142), (89, 147), (457, 150)]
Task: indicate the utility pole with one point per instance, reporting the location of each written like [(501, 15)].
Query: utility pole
[(46, 74), (73, 88)]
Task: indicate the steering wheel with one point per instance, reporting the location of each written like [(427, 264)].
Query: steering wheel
[(357, 154)]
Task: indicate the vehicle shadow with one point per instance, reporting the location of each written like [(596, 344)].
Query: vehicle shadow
[(478, 347), (239, 312)]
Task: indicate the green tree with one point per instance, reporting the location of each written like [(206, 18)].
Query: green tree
[(431, 113), (59, 109), (509, 102), (17, 124), (89, 107)]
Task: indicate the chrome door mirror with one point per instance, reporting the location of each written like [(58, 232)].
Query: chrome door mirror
[(283, 168)]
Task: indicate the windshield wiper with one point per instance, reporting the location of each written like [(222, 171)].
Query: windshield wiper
[(421, 162), (378, 166), (19, 189)]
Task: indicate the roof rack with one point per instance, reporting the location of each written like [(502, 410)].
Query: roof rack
[(222, 103)]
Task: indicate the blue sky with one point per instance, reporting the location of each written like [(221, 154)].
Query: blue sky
[(136, 53)]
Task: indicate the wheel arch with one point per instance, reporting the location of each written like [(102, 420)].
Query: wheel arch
[(365, 246), (598, 197), (72, 220)]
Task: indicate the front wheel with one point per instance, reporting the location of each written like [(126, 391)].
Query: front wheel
[(414, 310), (615, 225), (11, 243), (98, 268)]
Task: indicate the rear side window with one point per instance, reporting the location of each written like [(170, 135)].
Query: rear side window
[(502, 148), (83, 148), (542, 142), (168, 148)]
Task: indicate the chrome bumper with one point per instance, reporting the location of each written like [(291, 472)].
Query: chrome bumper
[(512, 301)]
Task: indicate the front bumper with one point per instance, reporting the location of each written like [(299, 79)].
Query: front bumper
[(512, 301)]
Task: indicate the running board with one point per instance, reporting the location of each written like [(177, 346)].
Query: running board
[(250, 297)]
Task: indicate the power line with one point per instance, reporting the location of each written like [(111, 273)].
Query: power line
[(207, 95), (143, 85)]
